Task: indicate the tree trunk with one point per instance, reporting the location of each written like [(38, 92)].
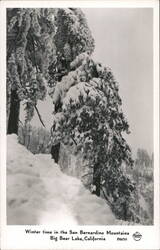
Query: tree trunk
[(14, 113), (124, 211), (96, 180), (55, 152)]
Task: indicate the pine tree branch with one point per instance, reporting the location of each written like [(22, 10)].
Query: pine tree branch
[(73, 140), (40, 118)]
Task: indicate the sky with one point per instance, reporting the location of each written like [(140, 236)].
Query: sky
[(123, 41)]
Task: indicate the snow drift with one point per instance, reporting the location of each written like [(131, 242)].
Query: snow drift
[(39, 193)]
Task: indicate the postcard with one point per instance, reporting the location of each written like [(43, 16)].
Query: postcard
[(79, 125)]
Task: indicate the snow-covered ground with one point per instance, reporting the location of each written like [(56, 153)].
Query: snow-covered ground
[(39, 193)]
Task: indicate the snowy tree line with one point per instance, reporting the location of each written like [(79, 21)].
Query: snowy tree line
[(49, 51)]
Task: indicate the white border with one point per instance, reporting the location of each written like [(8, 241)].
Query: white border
[(13, 236), (81, 3)]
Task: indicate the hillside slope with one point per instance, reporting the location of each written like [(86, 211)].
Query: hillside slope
[(39, 193)]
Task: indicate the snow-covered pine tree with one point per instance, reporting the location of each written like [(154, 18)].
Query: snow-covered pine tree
[(40, 41), (72, 38), (30, 49), (91, 118)]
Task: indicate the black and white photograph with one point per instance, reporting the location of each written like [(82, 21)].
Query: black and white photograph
[(69, 156), (80, 116)]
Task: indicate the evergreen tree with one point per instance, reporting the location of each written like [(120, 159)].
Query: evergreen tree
[(72, 38), (143, 176), (91, 118), (40, 45), (30, 49)]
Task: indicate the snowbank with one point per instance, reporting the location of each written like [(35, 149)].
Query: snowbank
[(39, 193)]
